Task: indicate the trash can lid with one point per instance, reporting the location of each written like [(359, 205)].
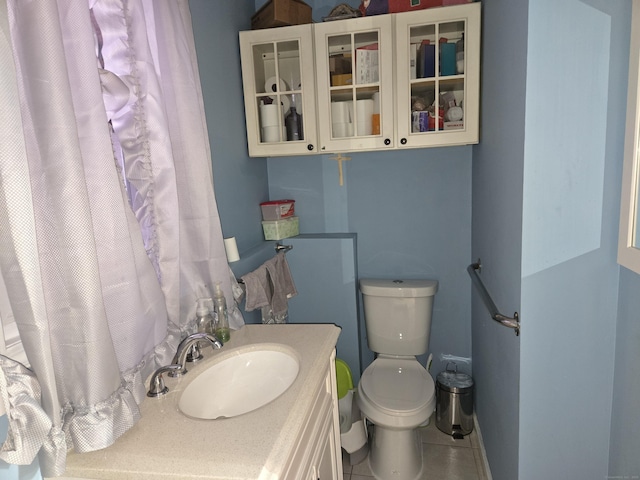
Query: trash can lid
[(454, 382)]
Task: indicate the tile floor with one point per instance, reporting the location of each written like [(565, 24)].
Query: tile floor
[(445, 458)]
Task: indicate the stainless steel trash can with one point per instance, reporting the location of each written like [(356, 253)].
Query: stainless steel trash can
[(454, 402)]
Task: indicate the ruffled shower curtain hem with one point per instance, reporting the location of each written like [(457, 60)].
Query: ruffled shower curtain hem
[(31, 432)]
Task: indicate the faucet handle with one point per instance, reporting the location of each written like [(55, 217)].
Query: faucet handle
[(194, 354), (157, 387)]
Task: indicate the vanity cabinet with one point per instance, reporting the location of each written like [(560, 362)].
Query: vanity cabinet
[(294, 437), (405, 80), (318, 455)]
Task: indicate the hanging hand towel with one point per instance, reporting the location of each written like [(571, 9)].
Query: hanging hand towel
[(270, 285), (282, 284), (258, 292)]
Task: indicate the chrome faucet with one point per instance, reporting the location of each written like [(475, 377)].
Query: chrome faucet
[(157, 387), (180, 358), (178, 364)]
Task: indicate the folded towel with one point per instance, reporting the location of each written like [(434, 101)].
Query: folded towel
[(270, 285)]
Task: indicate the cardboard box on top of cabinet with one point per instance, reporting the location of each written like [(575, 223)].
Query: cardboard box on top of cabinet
[(380, 7), (280, 13)]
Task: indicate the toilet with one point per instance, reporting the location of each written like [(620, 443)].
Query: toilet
[(396, 393)]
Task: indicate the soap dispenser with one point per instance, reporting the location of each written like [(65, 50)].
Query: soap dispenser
[(205, 322), (222, 321)]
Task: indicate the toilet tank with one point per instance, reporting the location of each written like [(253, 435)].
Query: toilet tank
[(398, 315)]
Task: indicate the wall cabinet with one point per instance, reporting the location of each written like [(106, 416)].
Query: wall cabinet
[(405, 80), (278, 75)]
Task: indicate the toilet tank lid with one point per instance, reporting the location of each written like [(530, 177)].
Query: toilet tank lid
[(398, 288)]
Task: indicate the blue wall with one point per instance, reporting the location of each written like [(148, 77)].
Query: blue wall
[(546, 189), (624, 459), (497, 229), (411, 211), (570, 230), (240, 182)]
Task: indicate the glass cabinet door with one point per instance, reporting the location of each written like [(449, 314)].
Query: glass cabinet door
[(279, 91), (354, 72), (438, 74)]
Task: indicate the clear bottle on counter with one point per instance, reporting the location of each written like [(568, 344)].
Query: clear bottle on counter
[(222, 330), (205, 323)]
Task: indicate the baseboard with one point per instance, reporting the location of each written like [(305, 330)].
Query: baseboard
[(482, 450)]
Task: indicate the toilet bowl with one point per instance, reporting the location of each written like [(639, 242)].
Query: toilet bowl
[(397, 396), (396, 393)]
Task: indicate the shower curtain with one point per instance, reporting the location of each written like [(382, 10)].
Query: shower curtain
[(109, 229)]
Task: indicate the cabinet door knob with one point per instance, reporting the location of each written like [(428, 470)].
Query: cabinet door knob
[(310, 147), (403, 141), (387, 141)]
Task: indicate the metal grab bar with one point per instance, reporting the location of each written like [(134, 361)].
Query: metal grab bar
[(510, 322)]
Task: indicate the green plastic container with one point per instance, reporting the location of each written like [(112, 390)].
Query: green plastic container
[(343, 378)]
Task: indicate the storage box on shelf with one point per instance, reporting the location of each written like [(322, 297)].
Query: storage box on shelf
[(279, 229), (278, 209)]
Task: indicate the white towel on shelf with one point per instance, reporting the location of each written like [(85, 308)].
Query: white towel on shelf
[(270, 285)]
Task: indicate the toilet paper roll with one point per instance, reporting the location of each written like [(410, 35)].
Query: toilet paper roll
[(364, 110), (232, 249), (341, 130), (341, 112), (271, 133), (274, 85), (286, 103), (454, 114), (270, 115)]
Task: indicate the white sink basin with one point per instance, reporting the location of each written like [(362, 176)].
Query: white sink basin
[(240, 383)]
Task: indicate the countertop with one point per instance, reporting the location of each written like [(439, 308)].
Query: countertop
[(167, 444)]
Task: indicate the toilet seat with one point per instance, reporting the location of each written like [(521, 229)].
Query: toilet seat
[(397, 392)]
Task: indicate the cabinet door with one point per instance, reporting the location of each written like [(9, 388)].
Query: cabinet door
[(354, 61), (325, 465), (279, 90), (438, 76), (328, 467)]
